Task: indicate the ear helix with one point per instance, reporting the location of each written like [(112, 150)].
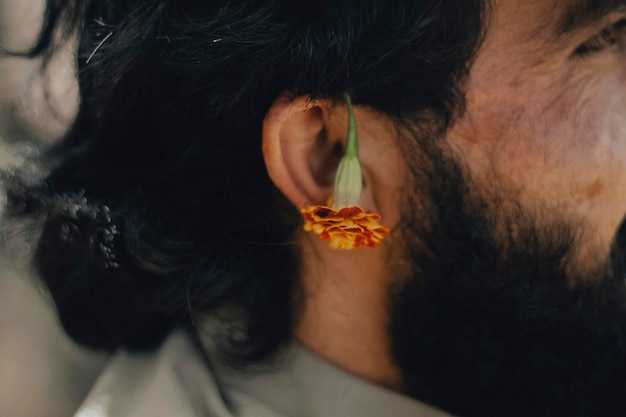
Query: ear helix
[(342, 222)]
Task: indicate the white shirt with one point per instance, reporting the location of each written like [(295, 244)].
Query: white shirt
[(177, 381)]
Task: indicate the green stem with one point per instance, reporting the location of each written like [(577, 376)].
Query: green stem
[(349, 176), (351, 143)]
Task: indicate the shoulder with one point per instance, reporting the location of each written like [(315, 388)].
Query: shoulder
[(172, 381)]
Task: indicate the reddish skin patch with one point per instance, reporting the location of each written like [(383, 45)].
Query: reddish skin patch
[(594, 189)]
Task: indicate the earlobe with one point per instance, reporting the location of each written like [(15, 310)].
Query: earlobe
[(301, 149)]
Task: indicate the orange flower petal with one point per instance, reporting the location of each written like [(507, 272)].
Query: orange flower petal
[(347, 228)]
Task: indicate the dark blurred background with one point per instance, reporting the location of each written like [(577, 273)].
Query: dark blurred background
[(42, 373)]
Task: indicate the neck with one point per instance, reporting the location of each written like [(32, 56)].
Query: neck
[(345, 315)]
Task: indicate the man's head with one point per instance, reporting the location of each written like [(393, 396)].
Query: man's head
[(504, 246), (490, 137)]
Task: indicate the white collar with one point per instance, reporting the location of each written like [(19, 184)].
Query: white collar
[(176, 381), (302, 384)]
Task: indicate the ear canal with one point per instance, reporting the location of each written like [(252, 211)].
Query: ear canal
[(324, 160)]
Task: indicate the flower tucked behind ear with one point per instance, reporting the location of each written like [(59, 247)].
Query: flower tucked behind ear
[(346, 225), (347, 228)]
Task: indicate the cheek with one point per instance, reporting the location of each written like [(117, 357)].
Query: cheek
[(583, 142), (580, 146), (567, 154), (602, 156)]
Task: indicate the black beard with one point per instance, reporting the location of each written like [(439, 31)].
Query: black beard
[(489, 323)]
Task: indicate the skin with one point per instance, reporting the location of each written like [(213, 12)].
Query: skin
[(540, 120), (536, 108)]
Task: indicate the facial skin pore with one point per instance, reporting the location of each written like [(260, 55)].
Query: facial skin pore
[(543, 122)]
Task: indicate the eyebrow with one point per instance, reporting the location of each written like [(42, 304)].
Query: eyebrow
[(585, 13)]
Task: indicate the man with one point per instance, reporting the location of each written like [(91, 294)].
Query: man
[(490, 136)]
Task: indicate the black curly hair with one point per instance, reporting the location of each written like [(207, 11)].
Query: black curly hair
[(157, 205)]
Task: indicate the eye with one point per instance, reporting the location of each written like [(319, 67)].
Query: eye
[(611, 36)]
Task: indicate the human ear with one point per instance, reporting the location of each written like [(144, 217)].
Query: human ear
[(302, 147), (304, 140)]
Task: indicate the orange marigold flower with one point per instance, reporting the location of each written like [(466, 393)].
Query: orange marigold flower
[(346, 228)]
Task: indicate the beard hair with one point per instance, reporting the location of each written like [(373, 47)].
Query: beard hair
[(491, 317)]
